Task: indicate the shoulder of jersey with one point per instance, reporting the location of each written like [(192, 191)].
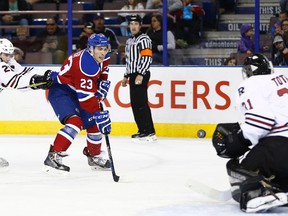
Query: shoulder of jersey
[(88, 65)]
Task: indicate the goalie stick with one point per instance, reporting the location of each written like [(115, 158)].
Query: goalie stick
[(208, 191)]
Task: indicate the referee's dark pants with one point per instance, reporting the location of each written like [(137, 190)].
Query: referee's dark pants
[(139, 104)]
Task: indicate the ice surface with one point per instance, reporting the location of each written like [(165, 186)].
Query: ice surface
[(153, 180)]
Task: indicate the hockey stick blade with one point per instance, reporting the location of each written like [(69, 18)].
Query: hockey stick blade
[(33, 85), (115, 176), (208, 191)]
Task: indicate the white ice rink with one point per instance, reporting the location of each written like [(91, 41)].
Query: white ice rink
[(153, 180)]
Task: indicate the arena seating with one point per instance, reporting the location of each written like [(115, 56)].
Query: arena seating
[(217, 44)]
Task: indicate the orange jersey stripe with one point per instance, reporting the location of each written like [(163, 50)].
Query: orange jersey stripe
[(146, 52)]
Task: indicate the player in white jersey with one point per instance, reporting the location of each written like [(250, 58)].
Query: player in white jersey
[(258, 171), (14, 76)]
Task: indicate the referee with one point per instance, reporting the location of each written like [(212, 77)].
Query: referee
[(138, 53)]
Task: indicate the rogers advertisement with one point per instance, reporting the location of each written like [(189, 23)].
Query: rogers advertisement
[(183, 100), (195, 95)]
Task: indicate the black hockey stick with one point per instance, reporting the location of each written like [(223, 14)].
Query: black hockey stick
[(115, 176)]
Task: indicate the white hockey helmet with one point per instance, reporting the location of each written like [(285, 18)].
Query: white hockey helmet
[(6, 46)]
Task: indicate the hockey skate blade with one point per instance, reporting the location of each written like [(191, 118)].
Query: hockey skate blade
[(150, 139), (94, 168), (262, 204), (53, 171)]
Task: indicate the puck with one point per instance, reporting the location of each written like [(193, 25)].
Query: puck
[(201, 133)]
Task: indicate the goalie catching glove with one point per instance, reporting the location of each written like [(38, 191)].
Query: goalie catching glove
[(103, 88), (41, 81), (103, 121), (228, 140)]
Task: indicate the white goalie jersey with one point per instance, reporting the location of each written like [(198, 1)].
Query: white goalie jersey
[(13, 75), (263, 99)]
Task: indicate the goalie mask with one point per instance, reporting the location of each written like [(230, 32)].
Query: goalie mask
[(257, 64)]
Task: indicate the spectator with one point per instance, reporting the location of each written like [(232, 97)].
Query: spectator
[(47, 1), (280, 57), (284, 31), (22, 41), (225, 6), (276, 28), (154, 4), (13, 19), (189, 24), (19, 55), (99, 4), (121, 54), (246, 43), (173, 5), (131, 5), (230, 61), (109, 33), (52, 40), (87, 31), (283, 5), (174, 9), (155, 33)]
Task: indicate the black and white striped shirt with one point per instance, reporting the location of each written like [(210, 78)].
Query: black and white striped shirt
[(138, 54)]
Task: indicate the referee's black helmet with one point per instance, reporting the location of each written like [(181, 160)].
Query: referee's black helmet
[(135, 18)]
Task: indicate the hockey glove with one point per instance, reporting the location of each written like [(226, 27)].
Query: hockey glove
[(103, 121), (41, 81), (228, 140), (103, 88)]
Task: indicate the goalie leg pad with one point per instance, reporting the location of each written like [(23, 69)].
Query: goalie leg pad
[(237, 175), (253, 191)]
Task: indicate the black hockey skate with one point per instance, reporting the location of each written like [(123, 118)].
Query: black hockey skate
[(53, 162), (149, 137), (97, 162)]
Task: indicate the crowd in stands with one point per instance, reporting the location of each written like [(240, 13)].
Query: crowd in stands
[(53, 37), (185, 27)]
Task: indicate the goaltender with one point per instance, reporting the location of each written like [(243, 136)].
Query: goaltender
[(258, 148)]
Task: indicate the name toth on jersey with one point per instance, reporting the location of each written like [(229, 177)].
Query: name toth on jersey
[(259, 98)]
